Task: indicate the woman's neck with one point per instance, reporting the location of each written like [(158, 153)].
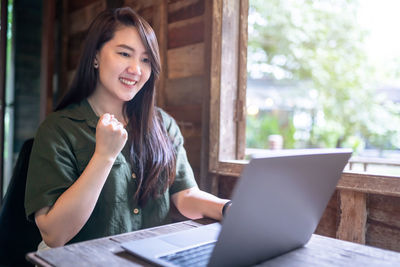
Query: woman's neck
[(102, 106)]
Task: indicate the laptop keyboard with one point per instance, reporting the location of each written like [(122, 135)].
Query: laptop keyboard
[(196, 256)]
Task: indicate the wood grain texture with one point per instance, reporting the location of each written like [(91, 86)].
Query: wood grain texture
[(215, 81), (226, 184), (186, 115), (188, 90), (160, 28), (383, 236), (229, 80), (207, 180), (80, 19), (186, 32), (384, 209), (47, 59), (74, 5), (329, 220), (353, 216), (240, 117), (75, 46), (186, 61), (367, 183), (138, 5), (383, 224), (185, 9), (319, 251), (64, 50)]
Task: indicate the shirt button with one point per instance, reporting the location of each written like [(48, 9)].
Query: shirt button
[(133, 175), (136, 211)]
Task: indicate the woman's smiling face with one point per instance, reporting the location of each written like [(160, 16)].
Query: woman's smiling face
[(124, 65)]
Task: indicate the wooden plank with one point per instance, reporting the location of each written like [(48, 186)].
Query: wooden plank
[(63, 83), (186, 61), (207, 180), (47, 59), (328, 223), (75, 46), (325, 251), (229, 80), (240, 114), (368, 183), (185, 114), (319, 251), (181, 10), (215, 80), (186, 32), (80, 19), (188, 90), (384, 209), (148, 14), (138, 5), (190, 130), (382, 236), (226, 184), (160, 28), (353, 216), (74, 5), (193, 146), (359, 182)]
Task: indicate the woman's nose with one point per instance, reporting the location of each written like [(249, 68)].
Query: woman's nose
[(135, 68)]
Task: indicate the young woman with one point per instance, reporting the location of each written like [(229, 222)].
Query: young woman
[(107, 161)]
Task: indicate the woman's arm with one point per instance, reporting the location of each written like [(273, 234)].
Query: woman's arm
[(61, 222), (194, 203)]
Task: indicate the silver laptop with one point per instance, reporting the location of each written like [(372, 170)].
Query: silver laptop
[(277, 205)]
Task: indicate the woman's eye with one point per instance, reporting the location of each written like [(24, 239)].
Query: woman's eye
[(146, 60), (124, 54)]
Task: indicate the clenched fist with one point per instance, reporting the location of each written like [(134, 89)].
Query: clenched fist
[(110, 136)]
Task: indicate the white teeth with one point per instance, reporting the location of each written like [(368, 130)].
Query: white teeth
[(127, 82)]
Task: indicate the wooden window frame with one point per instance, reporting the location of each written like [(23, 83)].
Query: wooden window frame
[(228, 98), (228, 75)]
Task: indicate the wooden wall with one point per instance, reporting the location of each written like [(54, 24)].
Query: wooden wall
[(179, 25), (367, 218), (183, 94), (183, 91)]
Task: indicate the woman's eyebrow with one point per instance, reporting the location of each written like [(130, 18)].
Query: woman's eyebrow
[(129, 48), (126, 47)]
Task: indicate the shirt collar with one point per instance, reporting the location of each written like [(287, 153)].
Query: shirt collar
[(82, 112)]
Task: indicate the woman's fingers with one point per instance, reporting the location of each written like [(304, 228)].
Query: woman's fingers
[(111, 135)]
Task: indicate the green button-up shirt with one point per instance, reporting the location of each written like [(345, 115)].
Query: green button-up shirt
[(63, 146)]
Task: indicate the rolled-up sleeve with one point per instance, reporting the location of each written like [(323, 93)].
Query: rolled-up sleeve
[(184, 178), (52, 168)]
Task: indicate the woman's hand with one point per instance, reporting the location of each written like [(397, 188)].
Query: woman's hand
[(110, 136), (61, 222)]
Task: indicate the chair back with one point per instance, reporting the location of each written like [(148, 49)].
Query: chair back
[(18, 236)]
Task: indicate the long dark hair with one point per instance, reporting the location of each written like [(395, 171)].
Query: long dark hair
[(151, 151)]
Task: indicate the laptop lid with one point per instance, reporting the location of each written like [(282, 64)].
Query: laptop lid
[(277, 204)]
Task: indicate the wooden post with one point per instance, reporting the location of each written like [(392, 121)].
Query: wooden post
[(47, 59), (352, 216), (242, 81)]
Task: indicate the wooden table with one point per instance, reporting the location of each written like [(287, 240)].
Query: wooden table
[(319, 251)]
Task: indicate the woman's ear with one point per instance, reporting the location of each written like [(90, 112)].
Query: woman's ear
[(96, 61)]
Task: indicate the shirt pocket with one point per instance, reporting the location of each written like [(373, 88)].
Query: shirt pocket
[(116, 187)]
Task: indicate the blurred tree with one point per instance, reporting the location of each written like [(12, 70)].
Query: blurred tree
[(322, 43)]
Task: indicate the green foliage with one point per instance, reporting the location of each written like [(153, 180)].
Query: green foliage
[(322, 43), (259, 127)]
